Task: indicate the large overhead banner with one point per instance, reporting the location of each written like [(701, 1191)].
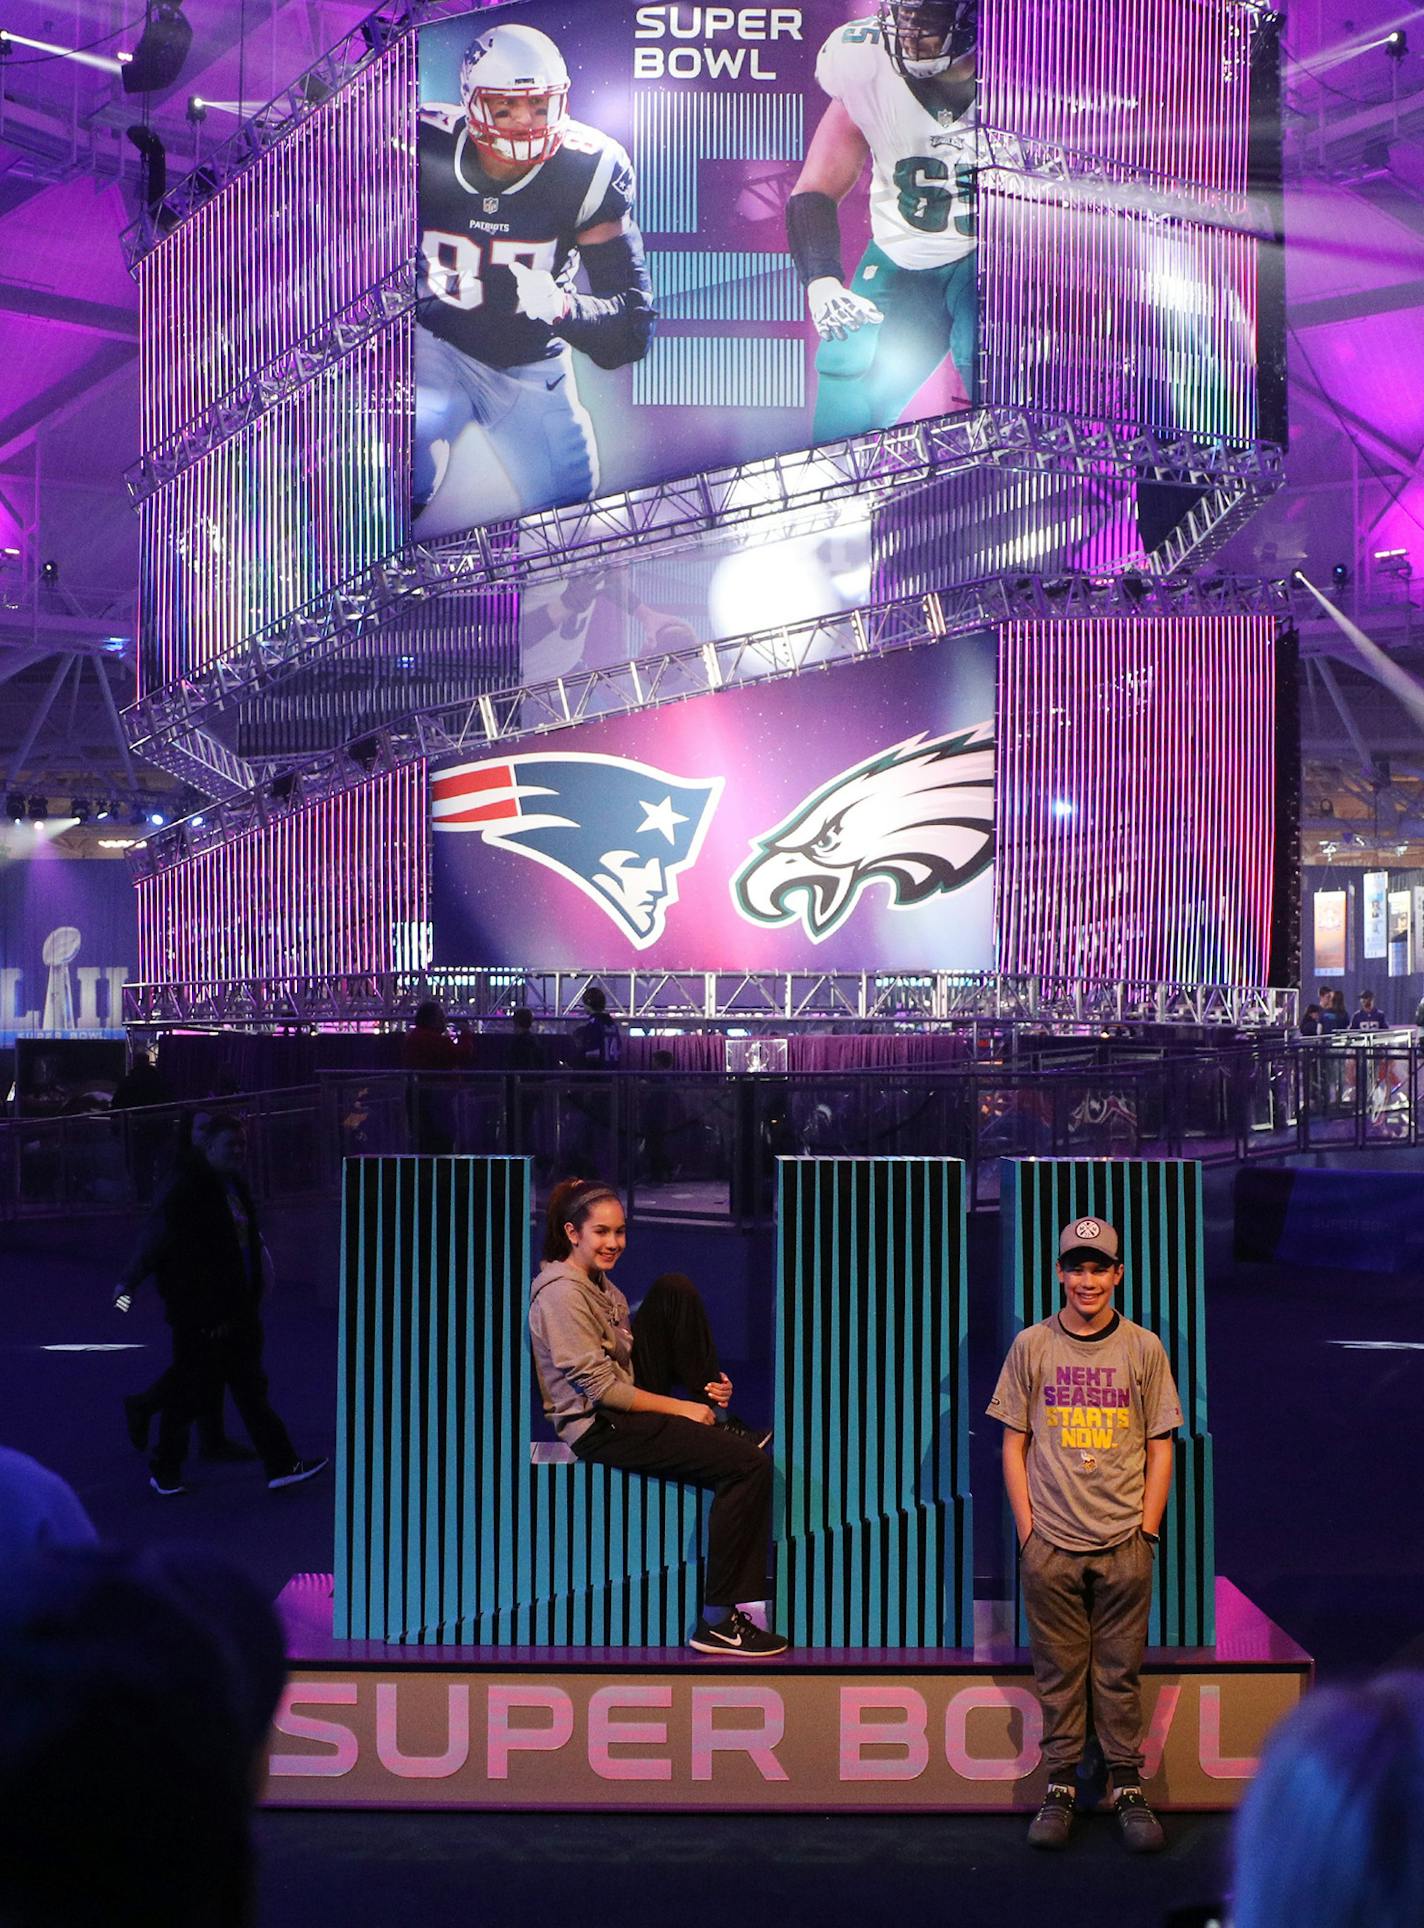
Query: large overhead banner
[(839, 821), (658, 239)]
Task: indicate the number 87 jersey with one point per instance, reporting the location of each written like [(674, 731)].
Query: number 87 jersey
[(922, 188)]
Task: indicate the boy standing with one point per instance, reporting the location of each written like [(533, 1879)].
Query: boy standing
[(1088, 1405)]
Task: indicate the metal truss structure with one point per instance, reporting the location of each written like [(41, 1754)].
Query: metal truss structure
[(773, 1000), (530, 709), (775, 492)]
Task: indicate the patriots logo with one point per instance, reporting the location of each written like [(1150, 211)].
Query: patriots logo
[(918, 817), (621, 832)]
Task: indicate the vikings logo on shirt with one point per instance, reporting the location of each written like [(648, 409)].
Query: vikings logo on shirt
[(919, 817), (622, 832)]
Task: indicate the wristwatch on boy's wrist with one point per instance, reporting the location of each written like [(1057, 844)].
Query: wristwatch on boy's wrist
[(1152, 1539)]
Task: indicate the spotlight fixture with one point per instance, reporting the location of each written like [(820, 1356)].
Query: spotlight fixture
[(1394, 562), (1340, 574), (80, 809), (197, 109), (37, 809), (162, 48), (284, 789), (15, 805), (1397, 44), (49, 574), (157, 819), (365, 751)]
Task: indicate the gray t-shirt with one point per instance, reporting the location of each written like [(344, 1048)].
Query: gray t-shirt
[(1089, 1407)]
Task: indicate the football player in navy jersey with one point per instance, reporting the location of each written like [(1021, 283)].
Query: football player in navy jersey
[(514, 197)]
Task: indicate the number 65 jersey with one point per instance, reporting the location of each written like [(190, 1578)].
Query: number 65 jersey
[(472, 228), (922, 187)]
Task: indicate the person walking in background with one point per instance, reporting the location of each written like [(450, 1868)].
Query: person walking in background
[(204, 1247), (427, 1048), (141, 1409), (1367, 1017), (598, 1042), (1088, 1406), (147, 1139)]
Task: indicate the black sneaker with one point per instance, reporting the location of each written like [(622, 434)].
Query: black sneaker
[(1140, 1829), (167, 1485), (299, 1470), (760, 1436), (226, 1452), (737, 1638), (1052, 1825), (137, 1417)]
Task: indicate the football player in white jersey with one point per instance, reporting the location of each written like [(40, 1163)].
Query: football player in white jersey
[(902, 86), (514, 197)]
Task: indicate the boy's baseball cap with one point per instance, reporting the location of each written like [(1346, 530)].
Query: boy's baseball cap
[(1090, 1235)]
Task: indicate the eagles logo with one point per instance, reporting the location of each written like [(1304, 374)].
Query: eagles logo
[(918, 817)]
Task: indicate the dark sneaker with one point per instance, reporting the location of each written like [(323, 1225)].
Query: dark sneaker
[(758, 1435), (299, 1470), (737, 1638), (1052, 1825), (226, 1452), (1141, 1830), (167, 1485), (137, 1416)]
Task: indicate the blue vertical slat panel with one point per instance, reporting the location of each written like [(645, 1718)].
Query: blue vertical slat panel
[(1157, 1208), (873, 1521)]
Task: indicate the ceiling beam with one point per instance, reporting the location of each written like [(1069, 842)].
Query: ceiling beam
[(1358, 306), (93, 317), (21, 426)]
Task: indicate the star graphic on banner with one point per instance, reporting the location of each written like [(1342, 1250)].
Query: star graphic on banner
[(660, 816)]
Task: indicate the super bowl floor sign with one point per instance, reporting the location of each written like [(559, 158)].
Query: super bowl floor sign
[(364, 1724)]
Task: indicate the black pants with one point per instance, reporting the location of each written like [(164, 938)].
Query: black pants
[(202, 1366), (672, 1339), (672, 1346)]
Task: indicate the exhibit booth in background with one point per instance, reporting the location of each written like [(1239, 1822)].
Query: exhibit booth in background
[(507, 1627)]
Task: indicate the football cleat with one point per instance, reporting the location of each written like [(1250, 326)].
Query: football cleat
[(925, 37), (515, 90)]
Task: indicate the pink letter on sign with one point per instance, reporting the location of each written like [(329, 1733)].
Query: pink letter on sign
[(760, 1741), (423, 1767), (1154, 1741), (907, 1733), (502, 1739), (956, 1733), (1238, 1768), (301, 1727), (604, 1732)]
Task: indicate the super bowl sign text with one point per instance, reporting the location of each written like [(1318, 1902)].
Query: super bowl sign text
[(680, 1740)]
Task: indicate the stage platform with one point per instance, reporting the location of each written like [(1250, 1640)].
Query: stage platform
[(366, 1724)]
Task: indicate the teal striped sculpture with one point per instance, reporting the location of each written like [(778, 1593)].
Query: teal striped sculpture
[(1157, 1209), (446, 1529), (874, 1523)]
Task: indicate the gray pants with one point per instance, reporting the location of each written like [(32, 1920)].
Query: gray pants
[(1087, 1622)]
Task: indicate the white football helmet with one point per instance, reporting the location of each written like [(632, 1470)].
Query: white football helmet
[(515, 63)]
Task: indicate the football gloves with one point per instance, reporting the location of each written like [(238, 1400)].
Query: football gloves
[(538, 295), (836, 311)]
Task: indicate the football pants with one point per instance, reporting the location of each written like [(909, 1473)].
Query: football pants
[(867, 380)]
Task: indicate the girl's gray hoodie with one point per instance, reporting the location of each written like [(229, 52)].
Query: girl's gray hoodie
[(583, 1347)]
